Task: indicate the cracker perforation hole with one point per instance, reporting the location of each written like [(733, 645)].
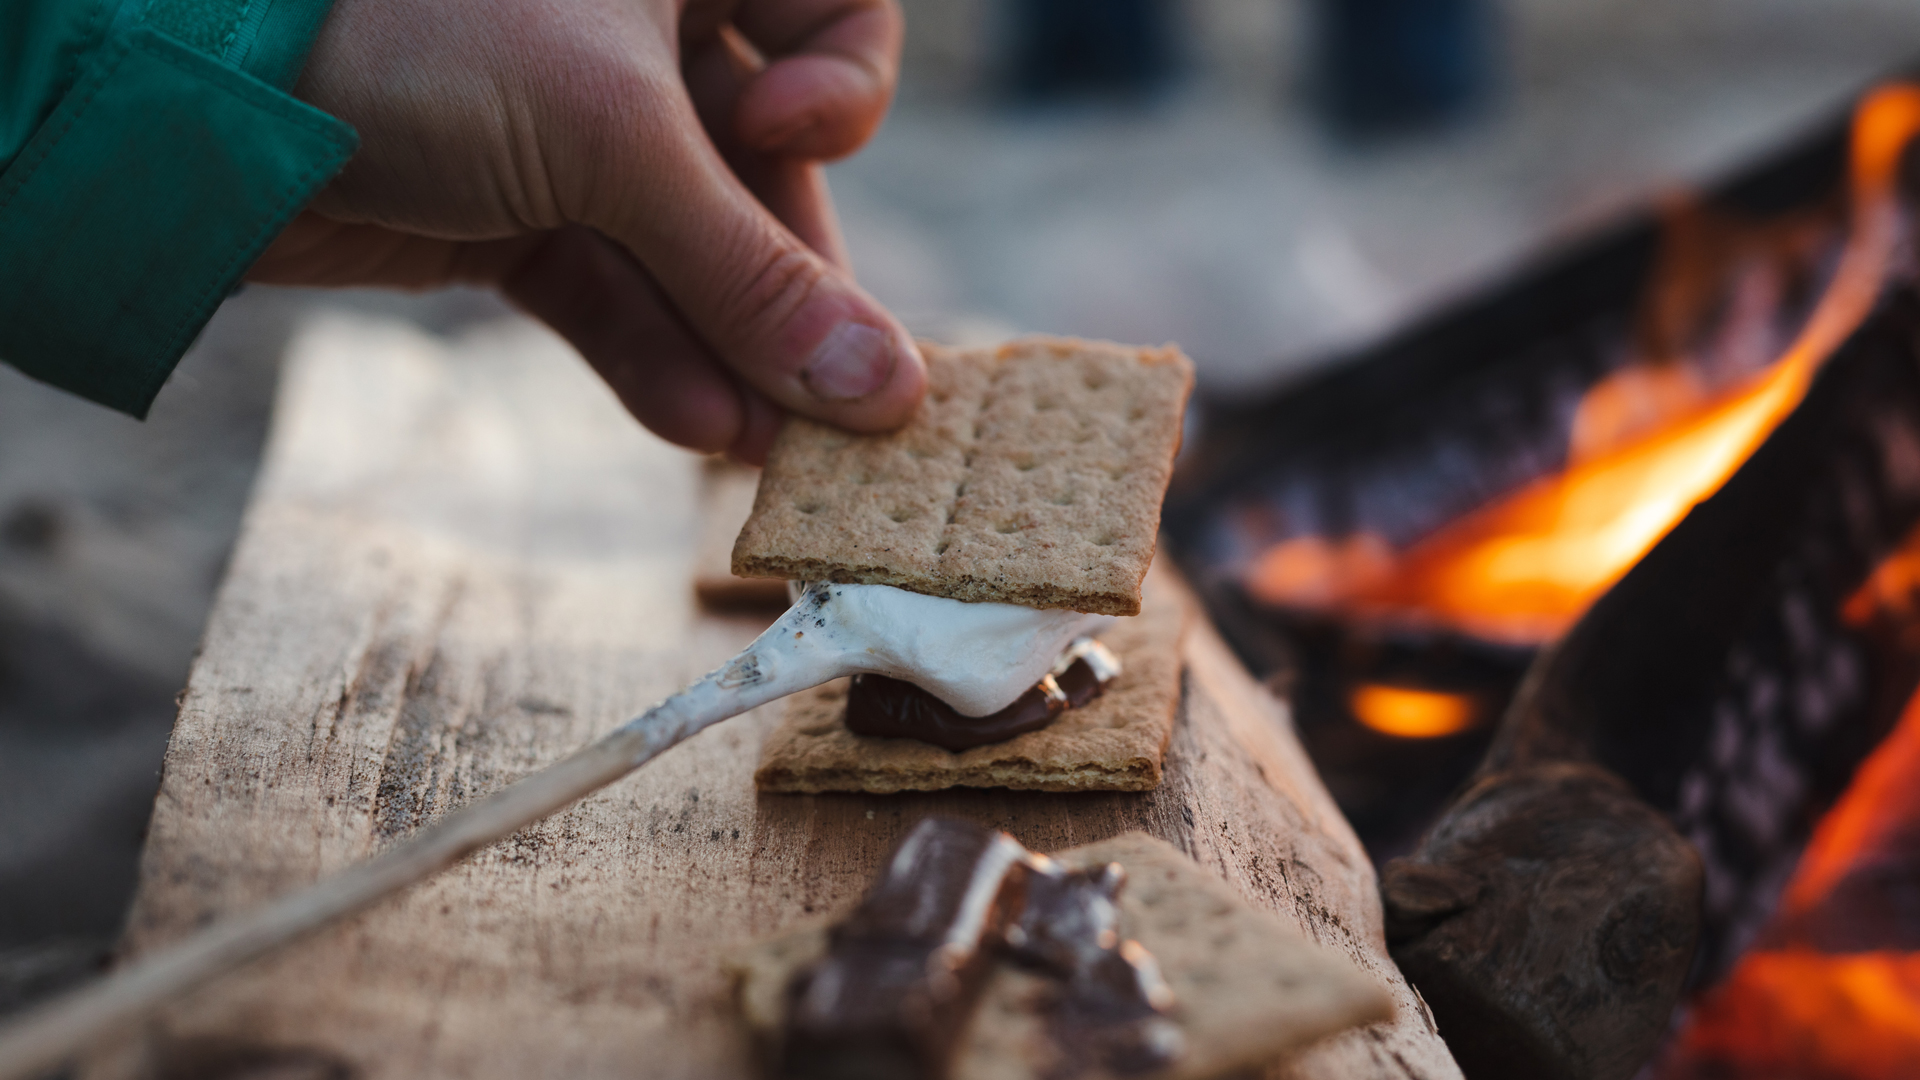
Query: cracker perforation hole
[(1045, 404), (1095, 380), (1026, 463), (807, 507), (1006, 528), (1064, 498), (1105, 540), (941, 547), (1136, 411), (902, 513)]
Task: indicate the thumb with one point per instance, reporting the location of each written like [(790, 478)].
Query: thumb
[(786, 321)]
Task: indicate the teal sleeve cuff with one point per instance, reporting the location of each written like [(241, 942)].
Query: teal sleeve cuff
[(267, 39), (274, 37), (139, 203)]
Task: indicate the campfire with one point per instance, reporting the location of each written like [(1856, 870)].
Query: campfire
[(1649, 440), (1673, 479)]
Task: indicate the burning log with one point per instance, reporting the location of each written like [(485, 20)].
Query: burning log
[(1428, 515), (1550, 917)]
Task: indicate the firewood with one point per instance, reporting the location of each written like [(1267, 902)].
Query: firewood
[(1660, 768)]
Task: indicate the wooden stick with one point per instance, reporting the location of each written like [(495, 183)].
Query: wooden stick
[(818, 639), (45, 1037)]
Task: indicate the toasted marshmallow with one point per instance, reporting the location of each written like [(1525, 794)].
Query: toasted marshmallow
[(975, 657)]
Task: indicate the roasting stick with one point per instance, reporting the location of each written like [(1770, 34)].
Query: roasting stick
[(977, 656)]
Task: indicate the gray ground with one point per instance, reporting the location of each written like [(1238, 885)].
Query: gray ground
[(1219, 216)]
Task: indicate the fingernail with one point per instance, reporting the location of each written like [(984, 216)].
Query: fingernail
[(853, 361)]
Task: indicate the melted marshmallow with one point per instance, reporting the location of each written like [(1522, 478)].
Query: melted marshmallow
[(975, 657)]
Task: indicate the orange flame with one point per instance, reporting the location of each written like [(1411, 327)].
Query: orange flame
[(1799, 1013), (1893, 587), (1524, 568), (1412, 714), (1882, 800)]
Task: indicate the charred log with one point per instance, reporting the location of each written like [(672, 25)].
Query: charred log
[(1546, 917), (1548, 921)]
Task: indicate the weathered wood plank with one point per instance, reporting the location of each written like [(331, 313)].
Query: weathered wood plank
[(461, 564)]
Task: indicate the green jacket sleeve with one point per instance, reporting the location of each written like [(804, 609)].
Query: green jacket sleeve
[(150, 152)]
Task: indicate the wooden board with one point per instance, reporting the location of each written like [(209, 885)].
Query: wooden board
[(462, 562)]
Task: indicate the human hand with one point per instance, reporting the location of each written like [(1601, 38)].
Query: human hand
[(631, 172)]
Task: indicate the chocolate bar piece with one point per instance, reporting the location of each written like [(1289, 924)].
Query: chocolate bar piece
[(903, 971), (1112, 994)]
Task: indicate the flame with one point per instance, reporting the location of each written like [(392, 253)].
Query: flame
[(1881, 801), (1412, 714), (1312, 571), (1799, 1013), (1892, 588), (1524, 568)]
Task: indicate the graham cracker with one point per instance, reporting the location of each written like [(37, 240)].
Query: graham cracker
[(1248, 989), (1113, 743), (1032, 474), (726, 498)]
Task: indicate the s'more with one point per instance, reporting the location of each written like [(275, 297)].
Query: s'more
[(1032, 474)]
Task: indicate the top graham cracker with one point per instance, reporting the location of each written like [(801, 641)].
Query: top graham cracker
[(1032, 474)]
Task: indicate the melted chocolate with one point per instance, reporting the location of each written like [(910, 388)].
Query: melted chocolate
[(1112, 997), (904, 971), (896, 709)]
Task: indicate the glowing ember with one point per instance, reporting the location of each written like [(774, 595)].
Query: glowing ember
[(1412, 714), (1523, 569)]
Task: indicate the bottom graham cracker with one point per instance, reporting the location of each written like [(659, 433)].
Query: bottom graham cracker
[(1248, 990), (1114, 743)]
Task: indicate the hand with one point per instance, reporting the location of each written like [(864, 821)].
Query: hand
[(634, 173)]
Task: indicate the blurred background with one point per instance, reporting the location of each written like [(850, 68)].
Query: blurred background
[(1271, 184)]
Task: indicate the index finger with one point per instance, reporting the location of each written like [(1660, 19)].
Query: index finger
[(832, 66), (793, 188)]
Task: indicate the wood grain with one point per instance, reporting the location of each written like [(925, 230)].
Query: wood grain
[(461, 563)]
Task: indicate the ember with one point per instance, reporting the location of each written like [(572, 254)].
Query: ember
[(1410, 713)]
